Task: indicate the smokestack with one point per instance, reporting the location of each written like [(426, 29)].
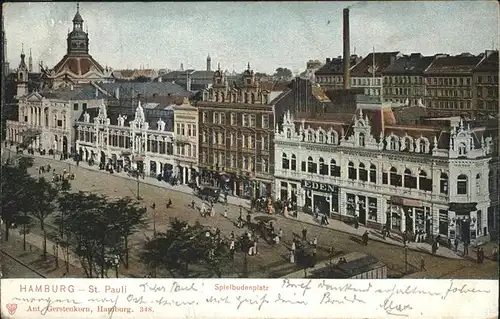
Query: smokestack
[(347, 53)]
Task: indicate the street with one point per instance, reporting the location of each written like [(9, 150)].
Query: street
[(271, 260), (12, 268)]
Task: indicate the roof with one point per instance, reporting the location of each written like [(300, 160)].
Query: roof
[(79, 65), (415, 63), (132, 89), (382, 61), (182, 75), (453, 64), (85, 92), (335, 66), (489, 63)]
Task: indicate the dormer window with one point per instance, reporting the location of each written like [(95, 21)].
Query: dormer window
[(422, 147), (462, 149), (361, 139), (310, 136), (393, 144)]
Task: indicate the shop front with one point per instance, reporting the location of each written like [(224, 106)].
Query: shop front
[(463, 217), (320, 197)]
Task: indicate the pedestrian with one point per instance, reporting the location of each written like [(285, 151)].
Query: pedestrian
[(466, 248), (304, 234), (315, 242), (356, 222), (422, 264), (455, 242), (293, 246), (478, 255), (217, 232), (383, 232), (232, 236), (225, 212), (292, 256), (192, 204), (365, 238), (434, 247), (249, 220), (212, 211), (404, 238), (280, 233), (481, 255), (153, 206)]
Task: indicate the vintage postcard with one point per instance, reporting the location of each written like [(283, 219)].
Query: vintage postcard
[(250, 159)]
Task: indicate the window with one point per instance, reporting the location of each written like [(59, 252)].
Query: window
[(220, 139), (311, 166), (265, 121), (189, 130), (443, 184), (215, 118), (352, 174), (409, 180), (253, 122), (478, 184), (323, 169), (204, 137), (394, 144), (395, 179), (424, 183), (361, 139), (373, 173), (288, 133), (462, 185), (245, 162), (26, 118), (310, 136), (75, 106), (233, 119), (334, 169), (183, 130), (372, 208), (84, 106), (244, 118), (462, 149), (285, 164), (422, 147), (214, 138), (204, 117), (264, 166), (321, 137), (59, 123), (363, 173), (491, 182)]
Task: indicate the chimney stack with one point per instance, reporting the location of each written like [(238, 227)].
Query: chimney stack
[(347, 53)]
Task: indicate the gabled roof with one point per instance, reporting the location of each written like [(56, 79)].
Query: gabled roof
[(453, 64), (85, 92), (415, 63), (382, 61), (79, 65), (335, 66), (132, 89)]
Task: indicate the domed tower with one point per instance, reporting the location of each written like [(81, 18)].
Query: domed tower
[(22, 76), (78, 40)]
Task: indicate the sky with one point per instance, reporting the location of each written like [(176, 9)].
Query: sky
[(266, 34)]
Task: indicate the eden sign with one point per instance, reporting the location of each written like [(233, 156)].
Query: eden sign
[(321, 187)]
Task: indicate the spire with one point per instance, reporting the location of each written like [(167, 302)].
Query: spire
[(248, 66), (218, 66)]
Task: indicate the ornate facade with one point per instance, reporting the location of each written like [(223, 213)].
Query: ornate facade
[(430, 178), (236, 134), (186, 141)]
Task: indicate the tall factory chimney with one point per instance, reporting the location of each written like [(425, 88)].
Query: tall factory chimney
[(347, 51)]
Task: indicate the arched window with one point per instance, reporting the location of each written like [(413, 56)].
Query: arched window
[(284, 161), (395, 179), (334, 169), (351, 174), (424, 183), (46, 111), (373, 173), (333, 138), (321, 137), (310, 136), (462, 185), (394, 144), (361, 139), (443, 184), (478, 184), (462, 149), (311, 166), (293, 165), (422, 146), (363, 173), (323, 169), (409, 180)]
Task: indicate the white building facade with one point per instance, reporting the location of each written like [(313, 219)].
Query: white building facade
[(46, 123), (403, 182), (132, 147), (186, 142)]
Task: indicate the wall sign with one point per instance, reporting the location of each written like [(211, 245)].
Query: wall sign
[(321, 187)]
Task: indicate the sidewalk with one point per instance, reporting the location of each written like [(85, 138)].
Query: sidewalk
[(375, 235)]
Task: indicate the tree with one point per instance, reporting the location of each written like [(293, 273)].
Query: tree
[(305, 258), (130, 218), (216, 255), (14, 202), (42, 201), (283, 73)]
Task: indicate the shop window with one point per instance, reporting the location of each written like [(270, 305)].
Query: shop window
[(443, 222), (409, 180), (323, 169), (352, 171), (373, 173), (462, 185), (351, 205), (443, 184), (363, 173), (285, 164), (395, 179), (479, 225), (293, 163), (311, 166)]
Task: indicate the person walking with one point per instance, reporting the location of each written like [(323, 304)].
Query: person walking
[(365, 238), (292, 256), (356, 222), (212, 211), (304, 234), (315, 241), (455, 242), (280, 233), (293, 246), (203, 209), (422, 264), (249, 221), (192, 204), (225, 212), (466, 248), (383, 232)]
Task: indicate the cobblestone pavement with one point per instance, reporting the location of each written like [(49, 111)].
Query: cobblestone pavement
[(271, 259)]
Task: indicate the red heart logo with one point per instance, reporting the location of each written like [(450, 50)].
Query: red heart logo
[(12, 307)]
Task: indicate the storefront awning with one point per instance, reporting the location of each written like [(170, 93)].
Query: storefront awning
[(406, 201), (30, 133)]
